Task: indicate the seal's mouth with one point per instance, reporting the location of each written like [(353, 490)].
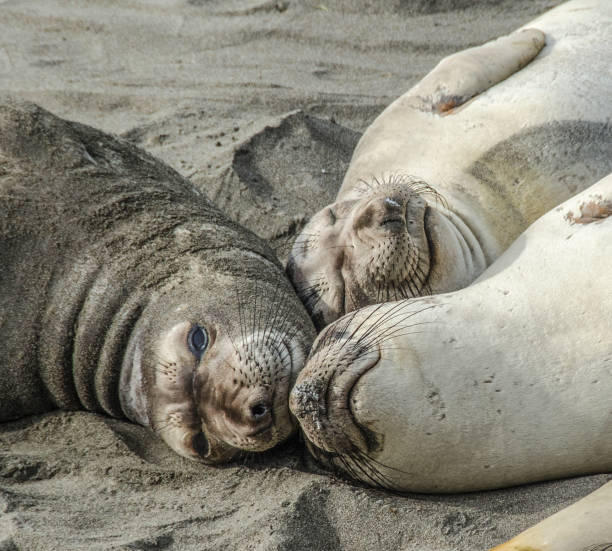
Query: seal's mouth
[(393, 222), (260, 431)]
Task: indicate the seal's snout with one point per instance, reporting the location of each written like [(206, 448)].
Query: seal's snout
[(247, 412), (321, 399), (200, 445), (304, 399), (383, 212)]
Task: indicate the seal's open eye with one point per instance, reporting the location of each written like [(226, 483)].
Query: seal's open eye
[(197, 340)]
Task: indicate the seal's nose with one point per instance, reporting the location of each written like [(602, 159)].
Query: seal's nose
[(259, 411), (381, 212), (258, 416)]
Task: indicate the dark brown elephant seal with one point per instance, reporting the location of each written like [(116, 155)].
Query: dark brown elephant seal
[(124, 291)]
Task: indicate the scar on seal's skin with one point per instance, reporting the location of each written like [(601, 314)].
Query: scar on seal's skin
[(443, 104), (593, 211)]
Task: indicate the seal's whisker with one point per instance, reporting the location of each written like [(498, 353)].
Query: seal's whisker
[(361, 323), (386, 482), (240, 316), (348, 466), (371, 473), (256, 310), (161, 366), (378, 340), (373, 337), (159, 427), (382, 318), (309, 291), (315, 284), (265, 315), (277, 316), (390, 333)]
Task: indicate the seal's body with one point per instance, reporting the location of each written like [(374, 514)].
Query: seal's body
[(505, 382), (454, 170), (124, 291)]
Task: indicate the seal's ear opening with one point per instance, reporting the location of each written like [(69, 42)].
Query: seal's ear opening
[(199, 443)]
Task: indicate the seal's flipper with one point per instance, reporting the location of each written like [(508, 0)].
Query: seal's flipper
[(584, 525), (461, 76)]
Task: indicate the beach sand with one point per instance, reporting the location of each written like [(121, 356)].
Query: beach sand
[(259, 103)]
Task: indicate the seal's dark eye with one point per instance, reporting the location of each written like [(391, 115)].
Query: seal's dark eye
[(200, 444), (197, 340)]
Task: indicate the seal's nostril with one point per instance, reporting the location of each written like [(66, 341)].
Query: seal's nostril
[(259, 411)]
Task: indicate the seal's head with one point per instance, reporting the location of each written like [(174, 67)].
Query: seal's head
[(391, 239), (212, 358)]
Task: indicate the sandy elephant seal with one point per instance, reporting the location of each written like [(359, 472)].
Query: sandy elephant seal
[(124, 291), (505, 382), (454, 170)]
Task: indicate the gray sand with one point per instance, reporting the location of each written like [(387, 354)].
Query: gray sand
[(214, 88)]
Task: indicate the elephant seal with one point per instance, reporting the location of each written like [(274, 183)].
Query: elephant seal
[(454, 170), (505, 382), (124, 291), (583, 526)]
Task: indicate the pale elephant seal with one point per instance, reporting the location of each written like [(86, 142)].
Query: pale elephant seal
[(584, 526), (505, 382), (124, 291), (435, 192)]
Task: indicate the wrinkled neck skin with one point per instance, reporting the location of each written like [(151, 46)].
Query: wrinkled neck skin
[(132, 395)]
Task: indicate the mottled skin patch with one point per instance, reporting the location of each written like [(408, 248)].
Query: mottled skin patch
[(593, 211)]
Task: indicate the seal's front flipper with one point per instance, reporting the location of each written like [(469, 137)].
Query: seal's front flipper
[(585, 525), (461, 76)]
